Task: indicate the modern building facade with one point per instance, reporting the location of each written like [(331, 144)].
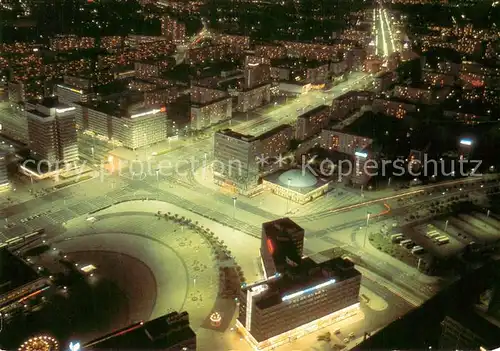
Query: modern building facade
[(52, 132), (253, 98), (312, 122), (173, 30), (235, 160), (300, 296)]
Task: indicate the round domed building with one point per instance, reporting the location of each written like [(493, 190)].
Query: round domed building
[(298, 185)]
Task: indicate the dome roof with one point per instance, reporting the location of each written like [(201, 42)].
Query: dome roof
[(298, 178)]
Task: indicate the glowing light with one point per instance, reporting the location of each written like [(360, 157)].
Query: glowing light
[(62, 110), (467, 142), (152, 112), (74, 346), (270, 246), (215, 319), (40, 343), (361, 154), (308, 290), (253, 64), (70, 89), (88, 268)]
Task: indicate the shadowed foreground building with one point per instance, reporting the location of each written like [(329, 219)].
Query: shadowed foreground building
[(297, 296), (169, 333)]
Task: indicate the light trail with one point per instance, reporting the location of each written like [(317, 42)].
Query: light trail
[(384, 41), (375, 30), (388, 24)]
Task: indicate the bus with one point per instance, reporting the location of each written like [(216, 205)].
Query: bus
[(443, 241)]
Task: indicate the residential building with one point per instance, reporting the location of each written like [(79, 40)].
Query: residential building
[(249, 99), (350, 102), (209, 107), (173, 30), (398, 108), (312, 122), (17, 92), (383, 81), (170, 332), (71, 95), (300, 297), (276, 141)]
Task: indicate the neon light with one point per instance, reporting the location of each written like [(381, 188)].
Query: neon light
[(152, 112), (118, 333), (308, 290), (70, 89), (467, 142), (361, 154), (253, 64), (62, 110), (34, 294), (270, 246)]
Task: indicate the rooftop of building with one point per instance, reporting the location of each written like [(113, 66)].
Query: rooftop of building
[(416, 85), (211, 102), (296, 63), (14, 272), (314, 111), (233, 134), (273, 131), (158, 334), (306, 275)]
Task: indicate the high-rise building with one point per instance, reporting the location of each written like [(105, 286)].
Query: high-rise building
[(300, 296), (173, 30), (17, 92), (256, 73), (52, 131), (168, 333), (235, 156)]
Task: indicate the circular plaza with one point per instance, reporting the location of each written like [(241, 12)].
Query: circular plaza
[(159, 261)]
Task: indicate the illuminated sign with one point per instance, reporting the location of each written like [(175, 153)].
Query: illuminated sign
[(308, 290), (70, 89), (467, 142), (253, 64), (152, 112), (62, 110), (270, 246), (361, 154)]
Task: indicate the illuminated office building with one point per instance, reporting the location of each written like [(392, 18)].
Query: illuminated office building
[(52, 131), (235, 164), (142, 127), (300, 296), (70, 94)]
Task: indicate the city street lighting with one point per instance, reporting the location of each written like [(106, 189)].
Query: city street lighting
[(234, 206), (366, 230), (446, 225)]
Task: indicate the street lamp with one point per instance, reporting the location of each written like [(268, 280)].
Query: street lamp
[(366, 230), (234, 206), (158, 177), (446, 225)]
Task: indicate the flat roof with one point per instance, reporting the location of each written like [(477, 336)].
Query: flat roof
[(14, 272), (233, 134), (305, 275), (273, 131), (314, 111)]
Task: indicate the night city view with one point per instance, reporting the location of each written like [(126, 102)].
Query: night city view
[(238, 175)]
